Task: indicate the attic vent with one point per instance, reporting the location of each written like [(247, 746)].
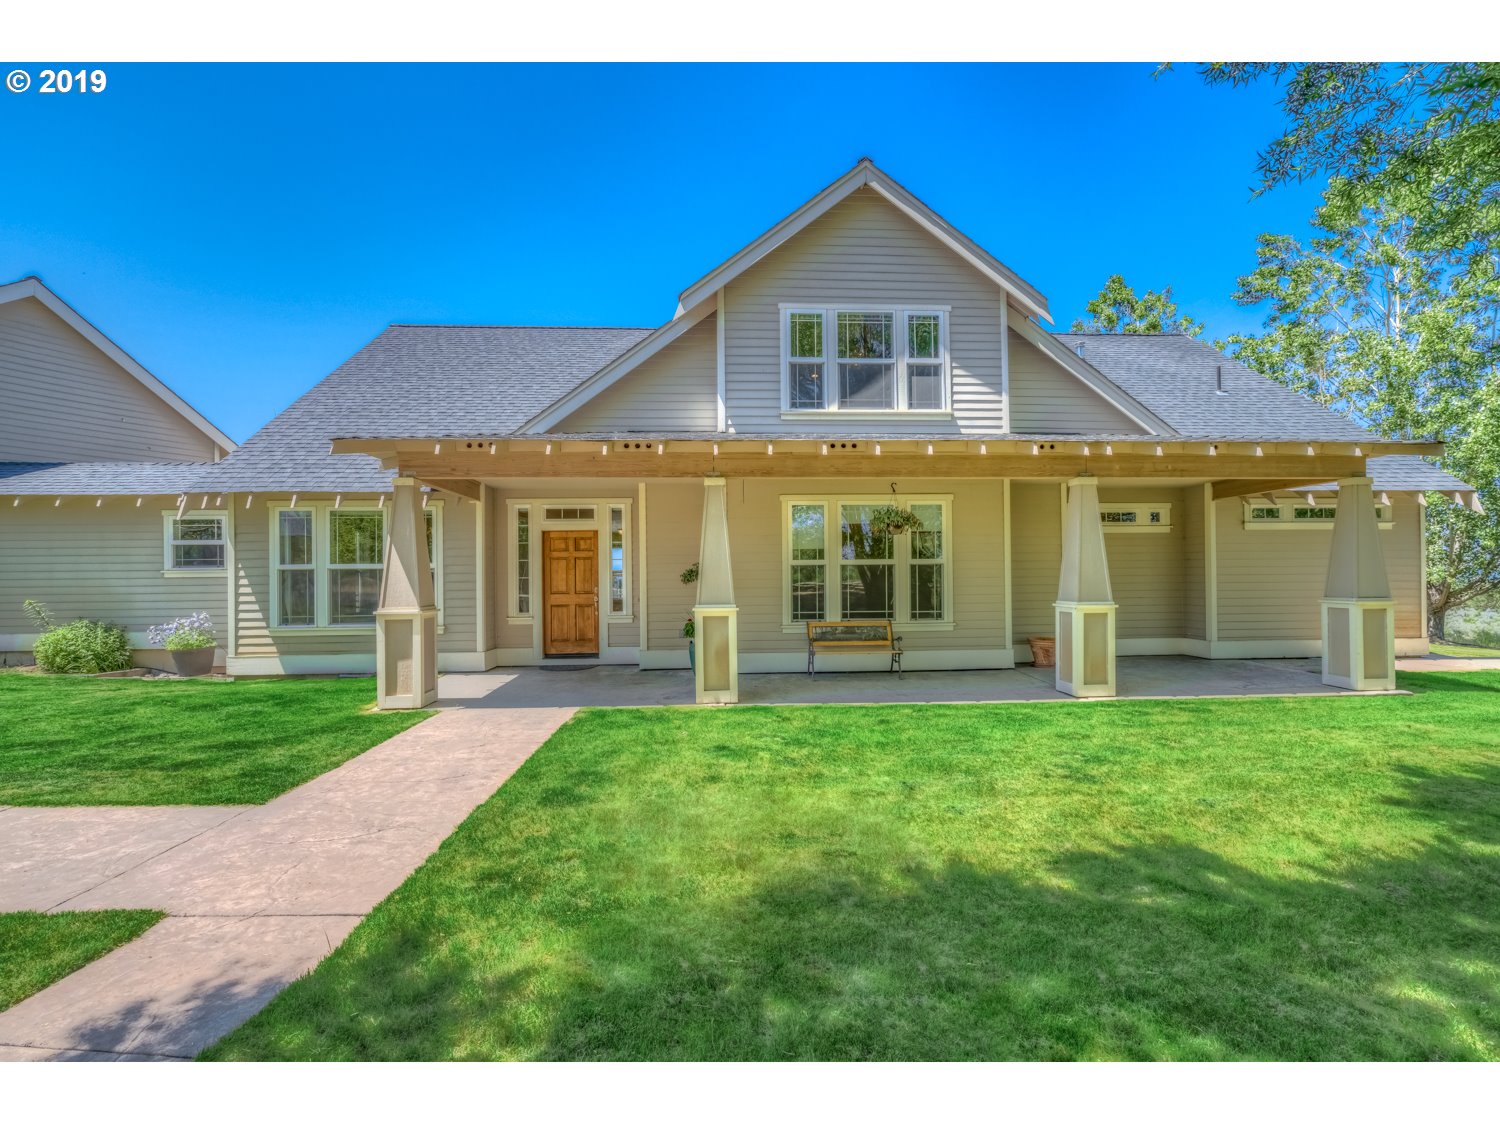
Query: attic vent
[(1219, 379), (1078, 347), (843, 447), (639, 446)]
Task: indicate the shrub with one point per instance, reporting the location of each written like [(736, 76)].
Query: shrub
[(193, 631), (83, 646)]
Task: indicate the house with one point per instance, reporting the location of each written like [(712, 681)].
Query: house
[(464, 497), (78, 412)]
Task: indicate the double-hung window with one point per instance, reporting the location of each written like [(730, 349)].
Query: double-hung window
[(865, 360), (193, 542), (840, 567), (328, 562)]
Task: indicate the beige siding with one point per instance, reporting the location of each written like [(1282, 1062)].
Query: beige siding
[(1271, 581), (100, 562), (1035, 556), (1045, 399), (674, 525), (676, 389), (1194, 574), (976, 554), (1146, 568), (66, 401), (253, 589), (862, 252)]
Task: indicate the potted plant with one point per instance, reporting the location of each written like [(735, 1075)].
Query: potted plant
[(689, 629), (190, 640), (891, 520)]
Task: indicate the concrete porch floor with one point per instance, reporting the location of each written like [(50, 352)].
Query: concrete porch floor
[(1138, 677)]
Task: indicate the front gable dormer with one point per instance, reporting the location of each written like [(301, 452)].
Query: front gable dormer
[(862, 312)]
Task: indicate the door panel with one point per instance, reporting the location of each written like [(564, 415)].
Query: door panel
[(570, 592)]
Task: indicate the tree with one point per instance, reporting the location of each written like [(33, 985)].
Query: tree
[(1118, 309), (1371, 321), (1422, 137)]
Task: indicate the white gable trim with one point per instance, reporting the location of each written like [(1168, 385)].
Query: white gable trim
[(615, 370), (33, 287), (1086, 373), (861, 175)]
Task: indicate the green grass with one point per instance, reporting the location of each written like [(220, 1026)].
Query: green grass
[(39, 949), (1442, 649), (67, 741), (1212, 879)]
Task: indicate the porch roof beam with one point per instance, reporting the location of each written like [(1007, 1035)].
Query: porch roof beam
[(1264, 470), (1037, 446)]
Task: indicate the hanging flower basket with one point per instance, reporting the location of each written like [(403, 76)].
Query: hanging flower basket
[(891, 520)]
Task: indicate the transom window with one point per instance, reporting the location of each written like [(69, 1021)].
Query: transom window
[(1260, 513), (841, 567), (1136, 517), (855, 359), (327, 564), (193, 541)]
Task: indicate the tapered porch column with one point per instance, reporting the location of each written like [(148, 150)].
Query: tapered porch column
[(406, 622), (1085, 604), (716, 671), (1359, 615)]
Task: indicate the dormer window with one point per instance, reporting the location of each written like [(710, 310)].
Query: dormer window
[(861, 360)]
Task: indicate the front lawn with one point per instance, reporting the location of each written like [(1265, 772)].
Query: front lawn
[(1440, 648), (1214, 879), (80, 741), (39, 949)]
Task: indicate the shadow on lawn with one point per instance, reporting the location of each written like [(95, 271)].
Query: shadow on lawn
[(1154, 951)]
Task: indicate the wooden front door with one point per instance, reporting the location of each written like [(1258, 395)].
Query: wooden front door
[(570, 592)]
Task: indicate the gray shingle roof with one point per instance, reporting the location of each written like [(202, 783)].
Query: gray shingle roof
[(99, 478), (1402, 472), (413, 380), (1175, 377), (454, 381)]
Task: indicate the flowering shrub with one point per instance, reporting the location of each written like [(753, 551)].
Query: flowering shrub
[(194, 631)]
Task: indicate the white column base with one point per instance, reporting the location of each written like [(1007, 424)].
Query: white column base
[(716, 668), (405, 658), (1359, 643), (1085, 649)]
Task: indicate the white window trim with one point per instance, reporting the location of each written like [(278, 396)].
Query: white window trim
[(538, 523), (833, 560), (321, 567), (167, 542), (830, 360), (1385, 516), (1143, 518)]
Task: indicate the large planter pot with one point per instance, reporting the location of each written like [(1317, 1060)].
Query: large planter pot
[(692, 666), (1044, 652), (192, 661)]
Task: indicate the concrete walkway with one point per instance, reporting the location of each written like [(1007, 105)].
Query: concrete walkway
[(256, 896)]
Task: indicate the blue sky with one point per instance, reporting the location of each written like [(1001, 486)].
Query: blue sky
[(241, 230)]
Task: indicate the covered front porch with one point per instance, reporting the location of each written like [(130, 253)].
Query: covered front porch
[(1137, 677), (1007, 556)]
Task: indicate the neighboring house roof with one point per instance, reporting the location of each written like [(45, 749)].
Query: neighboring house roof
[(34, 287), (99, 478), (1176, 377), (866, 174), (416, 379)]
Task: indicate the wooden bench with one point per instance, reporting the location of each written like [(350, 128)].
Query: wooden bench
[(852, 636)]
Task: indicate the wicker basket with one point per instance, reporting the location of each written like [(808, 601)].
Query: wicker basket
[(1043, 651)]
